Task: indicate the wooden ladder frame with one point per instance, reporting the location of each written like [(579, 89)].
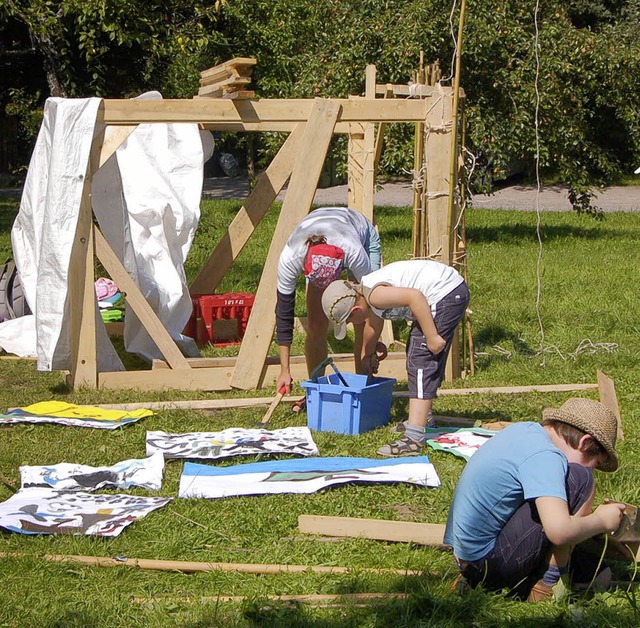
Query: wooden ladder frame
[(311, 124)]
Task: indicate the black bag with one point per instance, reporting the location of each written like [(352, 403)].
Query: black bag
[(12, 301)]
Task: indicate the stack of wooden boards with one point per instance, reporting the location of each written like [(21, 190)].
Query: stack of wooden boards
[(227, 80)]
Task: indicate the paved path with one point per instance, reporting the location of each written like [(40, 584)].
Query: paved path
[(518, 197)]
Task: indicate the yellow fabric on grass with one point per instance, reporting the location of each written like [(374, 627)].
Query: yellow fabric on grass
[(73, 411)]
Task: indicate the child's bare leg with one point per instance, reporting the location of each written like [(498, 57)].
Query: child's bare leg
[(559, 559), (419, 412)]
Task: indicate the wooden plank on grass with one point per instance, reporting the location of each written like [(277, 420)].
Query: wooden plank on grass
[(267, 188), (378, 529), (297, 203), (609, 398), (507, 390), (195, 404)]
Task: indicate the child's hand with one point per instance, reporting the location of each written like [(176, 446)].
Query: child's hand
[(436, 344), (610, 515), (370, 364), (381, 351)]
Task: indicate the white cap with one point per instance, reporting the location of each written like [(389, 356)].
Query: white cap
[(337, 302)]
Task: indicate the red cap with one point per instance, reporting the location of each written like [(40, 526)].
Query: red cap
[(324, 263)]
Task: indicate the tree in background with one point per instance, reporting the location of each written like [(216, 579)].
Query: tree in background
[(108, 48), (586, 71), (587, 75)]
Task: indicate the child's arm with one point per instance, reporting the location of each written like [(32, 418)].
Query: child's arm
[(383, 297), (372, 330), (563, 529)]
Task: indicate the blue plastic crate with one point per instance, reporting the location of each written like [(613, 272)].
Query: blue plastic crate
[(358, 408)]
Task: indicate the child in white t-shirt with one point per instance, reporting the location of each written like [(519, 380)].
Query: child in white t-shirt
[(434, 296)]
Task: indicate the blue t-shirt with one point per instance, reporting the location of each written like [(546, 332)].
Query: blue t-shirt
[(519, 463)]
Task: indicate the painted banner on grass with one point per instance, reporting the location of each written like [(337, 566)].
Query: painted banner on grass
[(235, 441), (300, 475), (47, 511), (464, 442), (146, 473), (70, 414)]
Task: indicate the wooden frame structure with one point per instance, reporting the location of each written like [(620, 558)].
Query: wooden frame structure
[(311, 125)]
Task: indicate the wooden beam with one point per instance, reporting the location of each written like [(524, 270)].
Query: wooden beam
[(218, 377), (217, 110), (378, 529), (355, 168), (195, 404), (415, 90), (368, 159), (437, 146), (83, 303), (297, 203), (114, 137), (508, 390), (267, 188), (138, 303), (609, 398), (263, 127)]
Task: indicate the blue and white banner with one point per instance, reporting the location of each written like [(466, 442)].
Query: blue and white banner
[(301, 475), (235, 441), (145, 473)]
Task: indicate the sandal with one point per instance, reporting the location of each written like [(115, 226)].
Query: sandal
[(300, 405), (404, 446)]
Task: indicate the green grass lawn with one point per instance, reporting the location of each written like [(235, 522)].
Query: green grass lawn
[(588, 307)]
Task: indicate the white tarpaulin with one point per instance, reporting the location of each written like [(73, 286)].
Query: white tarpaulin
[(147, 202)]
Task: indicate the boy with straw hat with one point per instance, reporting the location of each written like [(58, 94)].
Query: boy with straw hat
[(526, 497)]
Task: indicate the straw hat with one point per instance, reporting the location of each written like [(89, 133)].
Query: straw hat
[(593, 418)]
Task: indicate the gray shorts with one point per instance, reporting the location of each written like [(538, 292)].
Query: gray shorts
[(425, 370)]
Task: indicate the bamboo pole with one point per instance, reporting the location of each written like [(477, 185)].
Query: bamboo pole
[(454, 116), (193, 567), (418, 237), (314, 599)]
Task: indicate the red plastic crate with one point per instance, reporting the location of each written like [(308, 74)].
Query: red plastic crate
[(209, 310)]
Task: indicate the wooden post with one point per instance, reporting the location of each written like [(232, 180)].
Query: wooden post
[(369, 149), (355, 167), (439, 126), (297, 202), (83, 303)]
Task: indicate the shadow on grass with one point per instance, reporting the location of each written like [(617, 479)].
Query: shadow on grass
[(400, 411), (521, 231)]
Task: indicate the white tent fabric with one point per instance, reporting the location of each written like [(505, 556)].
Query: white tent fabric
[(146, 200), (18, 336)]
